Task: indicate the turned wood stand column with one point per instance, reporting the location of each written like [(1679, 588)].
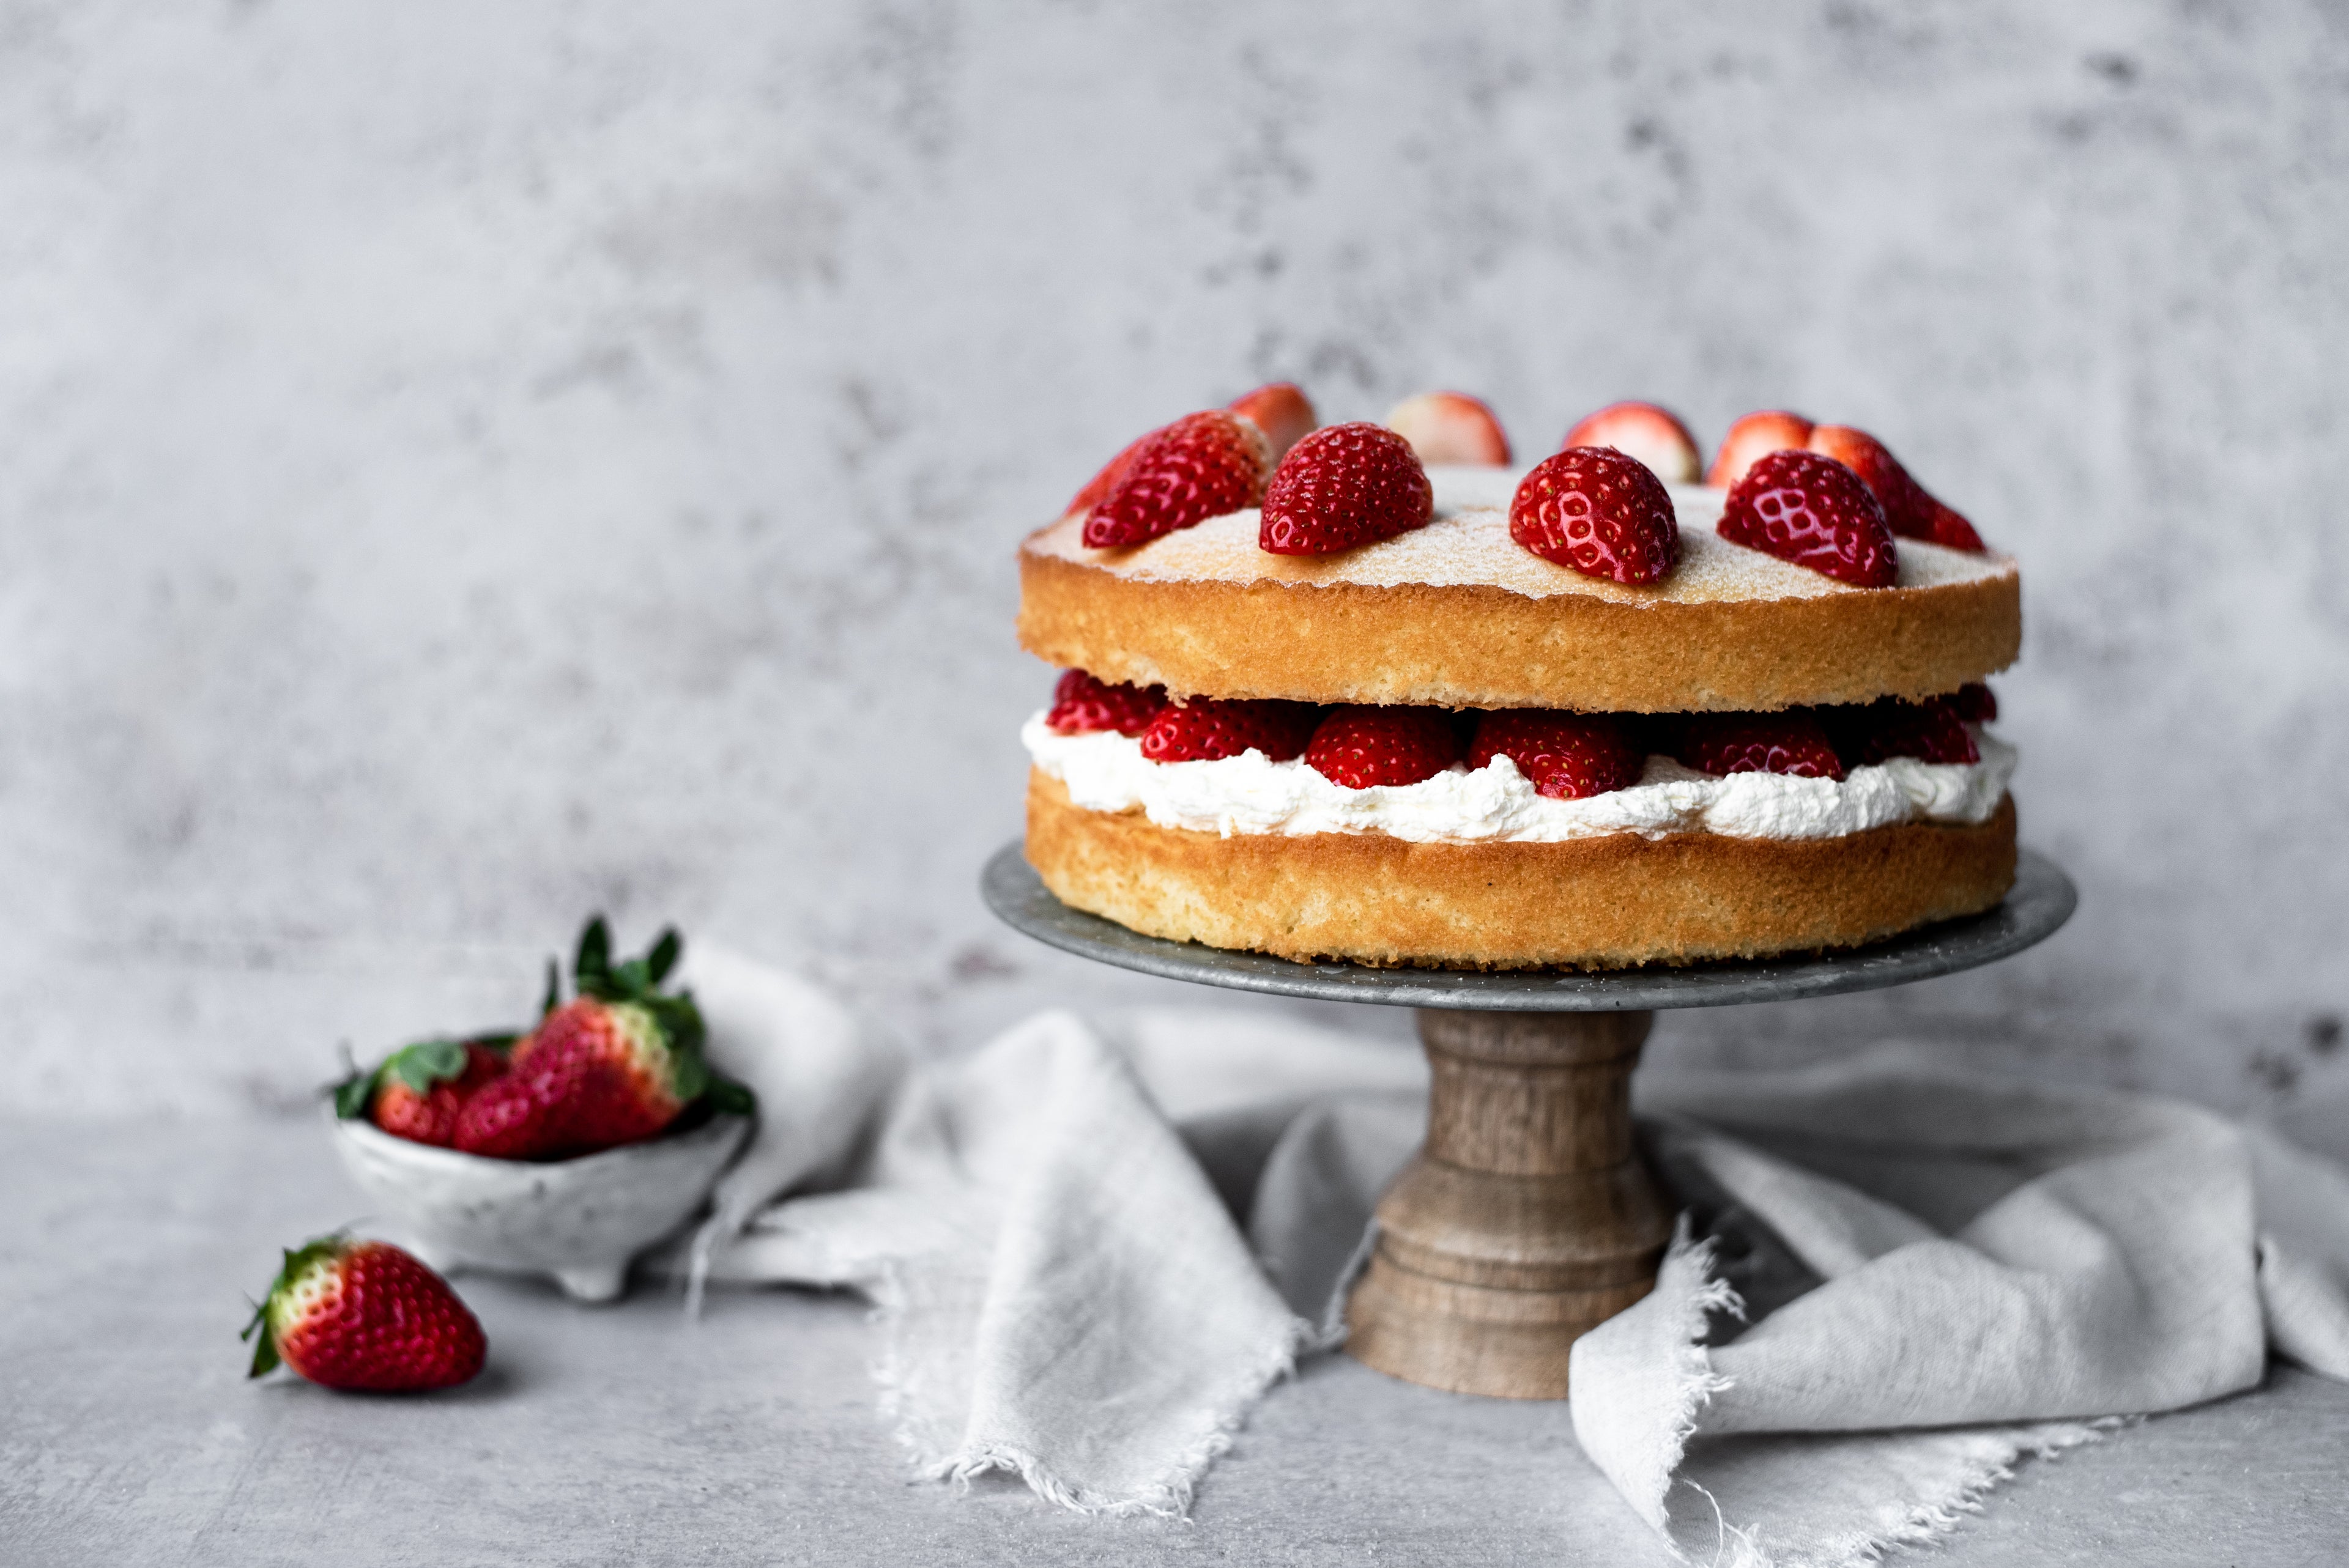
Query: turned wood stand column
[(1527, 1220), (1527, 1217)]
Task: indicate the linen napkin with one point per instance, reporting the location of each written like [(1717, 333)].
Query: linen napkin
[(821, 1074), (1882, 1244), (1066, 1295), (1094, 1243)]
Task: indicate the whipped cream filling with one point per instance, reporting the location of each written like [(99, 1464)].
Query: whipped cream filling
[(1250, 793)]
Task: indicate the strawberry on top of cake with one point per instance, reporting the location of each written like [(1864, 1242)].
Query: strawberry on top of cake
[(1829, 498)]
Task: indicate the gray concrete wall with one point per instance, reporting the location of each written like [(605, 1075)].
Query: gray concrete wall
[(464, 464)]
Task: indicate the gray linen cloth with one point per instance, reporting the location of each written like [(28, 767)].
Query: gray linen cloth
[(1095, 1244)]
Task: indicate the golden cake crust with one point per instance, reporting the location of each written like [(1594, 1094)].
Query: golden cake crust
[(1456, 615), (1605, 902)]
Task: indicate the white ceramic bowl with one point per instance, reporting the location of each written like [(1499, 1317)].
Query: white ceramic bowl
[(580, 1220)]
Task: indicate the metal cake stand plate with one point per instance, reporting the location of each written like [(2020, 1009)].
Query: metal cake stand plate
[(1527, 1217)]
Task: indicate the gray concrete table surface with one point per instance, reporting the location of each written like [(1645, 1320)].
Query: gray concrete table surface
[(626, 1435)]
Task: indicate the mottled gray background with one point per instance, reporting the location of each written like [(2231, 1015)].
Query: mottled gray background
[(467, 464)]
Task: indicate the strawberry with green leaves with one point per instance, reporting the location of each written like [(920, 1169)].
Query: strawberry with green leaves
[(419, 1091), (364, 1314), (617, 1063)]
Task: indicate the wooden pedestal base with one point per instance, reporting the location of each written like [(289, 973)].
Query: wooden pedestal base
[(1527, 1220)]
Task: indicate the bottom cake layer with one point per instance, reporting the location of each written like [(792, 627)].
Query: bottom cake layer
[(1601, 903)]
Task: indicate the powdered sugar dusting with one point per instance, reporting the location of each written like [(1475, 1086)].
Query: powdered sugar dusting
[(1468, 545)]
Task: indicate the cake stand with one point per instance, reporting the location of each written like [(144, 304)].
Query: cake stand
[(1527, 1217)]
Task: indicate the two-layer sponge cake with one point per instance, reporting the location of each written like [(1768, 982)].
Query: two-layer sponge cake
[(1351, 707)]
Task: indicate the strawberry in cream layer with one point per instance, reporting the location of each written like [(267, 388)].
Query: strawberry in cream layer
[(1105, 772)]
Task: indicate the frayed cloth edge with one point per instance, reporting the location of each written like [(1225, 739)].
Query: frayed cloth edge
[(1168, 1498), (1926, 1522), (1694, 1382)]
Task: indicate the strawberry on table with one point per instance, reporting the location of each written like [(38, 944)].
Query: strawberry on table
[(1342, 487), (1082, 705), (1361, 747), (1651, 434), (1565, 755), (1794, 742), (1910, 510), (1599, 512), (1206, 730), (1816, 513), (1280, 411), (1201, 466), (364, 1314), (1450, 428), (418, 1090)]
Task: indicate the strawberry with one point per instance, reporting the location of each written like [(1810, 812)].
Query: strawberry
[(526, 1114), (1449, 428), (1206, 728), (1931, 731), (1909, 511), (1201, 466), (1341, 487), (1081, 704), (1654, 436), (418, 1090), (364, 1314), (1101, 483), (1951, 528), (1976, 702), (1361, 747), (1813, 511), (1754, 437), (1280, 411), (616, 1065), (1599, 511), (1565, 755), (621, 1075), (1792, 742)]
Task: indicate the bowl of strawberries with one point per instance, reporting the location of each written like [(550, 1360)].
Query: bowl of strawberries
[(564, 1150)]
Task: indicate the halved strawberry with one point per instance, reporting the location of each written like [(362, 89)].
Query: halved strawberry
[(1206, 728), (1976, 702), (1362, 746), (1600, 512), (1101, 483), (1653, 435), (1342, 487), (1081, 703), (1449, 428), (364, 1314), (1794, 742), (1280, 411), (1754, 437), (1909, 511), (1813, 511), (1931, 731), (1565, 755), (1201, 466)]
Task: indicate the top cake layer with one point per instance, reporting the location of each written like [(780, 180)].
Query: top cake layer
[(1457, 614)]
